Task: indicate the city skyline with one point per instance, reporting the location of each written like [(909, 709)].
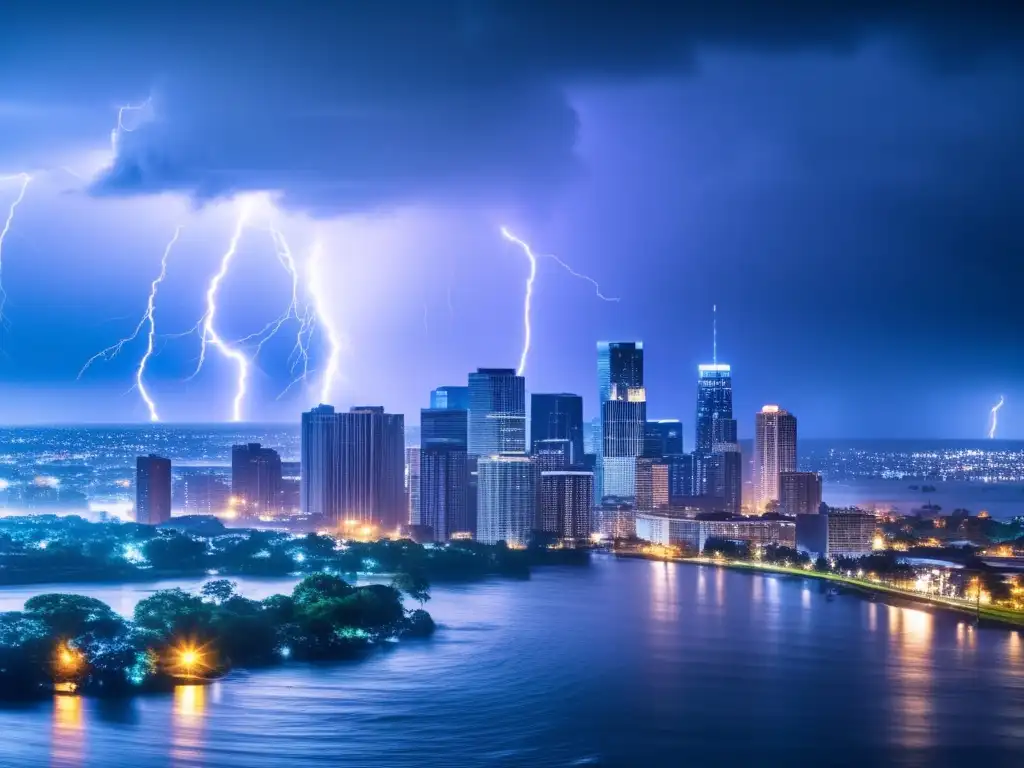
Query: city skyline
[(713, 162)]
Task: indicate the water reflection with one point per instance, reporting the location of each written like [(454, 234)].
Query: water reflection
[(910, 669), (187, 724), (68, 733), (663, 591)]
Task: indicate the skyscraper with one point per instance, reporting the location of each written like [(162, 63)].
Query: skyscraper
[(715, 423), (412, 483), (497, 412), (663, 437), (550, 455), (507, 499), (799, 493), (152, 490), (653, 483), (557, 417), (565, 504), (624, 420), (444, 470), (446, 425), (353, 465), (453, 398), (444, 490), (620, 369), (774, 452), (255, 480), (725, 476)]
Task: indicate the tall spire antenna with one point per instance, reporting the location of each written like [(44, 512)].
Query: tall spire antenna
[(714, 334)]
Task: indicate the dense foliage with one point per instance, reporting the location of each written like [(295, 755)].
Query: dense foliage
[(174, 635), (54, 549)]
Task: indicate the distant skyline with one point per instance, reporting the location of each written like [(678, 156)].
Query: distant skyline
[(844, 183)]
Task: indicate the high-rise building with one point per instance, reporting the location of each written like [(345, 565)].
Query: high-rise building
[(291, 480), (447, 425), (565, 503), (837, 533), (662, 438), (715, 423), (557, 417), (620, 370), (497, 412), (680, 478), (726, 476), (199, 491), (152, 489), (799, 493), (450, 398), (412, 483), (444, 490), (624, 420), (653, 483), (507, 499), (551, 455), (353, 465), (255, 480), (774, 453)]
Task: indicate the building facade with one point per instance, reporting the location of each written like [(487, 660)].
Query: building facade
[(774, 453), (450, 398), (620, 369), (353, 466), (799, 493), (497, 412), (691, 534), (836, 533), (557, 417), (255, 480), (663, 437), (506, 499), (444, 490), (565, 503), (152, 489)]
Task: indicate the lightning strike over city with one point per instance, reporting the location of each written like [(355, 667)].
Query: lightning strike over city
[(207, 324), (115, 133), (148, 318), (994, 418), (25, 179), (326, 322)]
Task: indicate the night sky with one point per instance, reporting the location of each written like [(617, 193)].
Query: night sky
[(845, 181)]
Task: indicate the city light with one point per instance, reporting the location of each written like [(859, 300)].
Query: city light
[(188, 660)]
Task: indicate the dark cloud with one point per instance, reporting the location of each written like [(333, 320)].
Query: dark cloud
[(342, 106)]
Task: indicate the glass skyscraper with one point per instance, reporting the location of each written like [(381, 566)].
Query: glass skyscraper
[(497, 412), (774, 453), (663, 437), (152, 489), (715, 423), (256, 480), (557, 417), (623, 412), (454, 398)]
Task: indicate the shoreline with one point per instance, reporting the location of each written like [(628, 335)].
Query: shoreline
[(986, 614)]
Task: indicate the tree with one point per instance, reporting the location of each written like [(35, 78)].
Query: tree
[(218, 590), (174, 612), (320, 586), (175, 551), (415, 585), (70, 615)]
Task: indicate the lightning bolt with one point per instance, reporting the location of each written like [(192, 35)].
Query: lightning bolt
[(333, 342), (147, 319), (208, 330), (995, 418), (115, 134), (529, 289), (25, 179)]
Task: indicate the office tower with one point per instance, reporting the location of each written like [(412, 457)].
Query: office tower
[(444, 490), (550, 455), (680, 478), (291, 475), (353, 465), (620, 370), (663, 437), (715, 423), (507, 499), (412, 484), (774, 452), (624, 419), (152, 490), (497, 412), (726, 476), (255, 480), (450, 398), (447, 425), (799, 493), (565, 503), (836, 533), (557, 417), (653, 483)]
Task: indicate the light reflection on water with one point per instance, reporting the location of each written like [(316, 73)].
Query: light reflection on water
[(625, 663)]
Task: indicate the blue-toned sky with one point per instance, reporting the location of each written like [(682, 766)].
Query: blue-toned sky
[(844, 181)]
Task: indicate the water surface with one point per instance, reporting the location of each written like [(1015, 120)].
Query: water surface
[(625, 663)]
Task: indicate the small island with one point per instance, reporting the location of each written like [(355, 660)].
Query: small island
[(71, 643)]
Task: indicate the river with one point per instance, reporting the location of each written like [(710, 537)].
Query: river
[(625, 663)]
